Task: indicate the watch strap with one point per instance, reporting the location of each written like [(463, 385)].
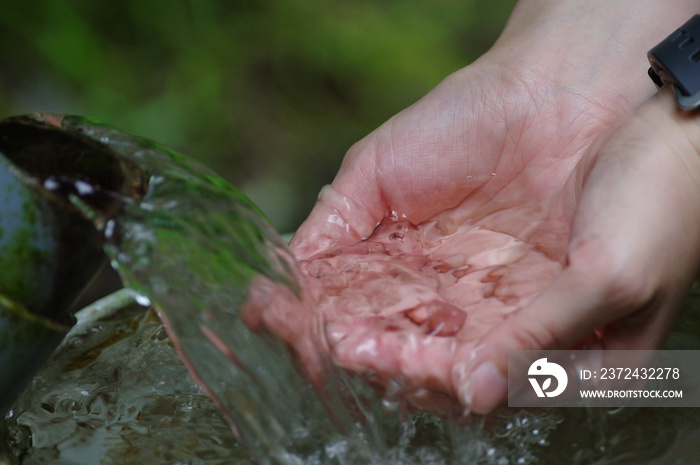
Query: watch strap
[(676, 61)]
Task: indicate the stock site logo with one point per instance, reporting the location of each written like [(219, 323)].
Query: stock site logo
[(544, 370)]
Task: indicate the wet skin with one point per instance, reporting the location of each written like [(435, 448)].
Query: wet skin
[(475, 210), (400, 304), (518, 245)]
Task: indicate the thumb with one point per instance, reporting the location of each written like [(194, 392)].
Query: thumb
[(336, 220), (568, 311)]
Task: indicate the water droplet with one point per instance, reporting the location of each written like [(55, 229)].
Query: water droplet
[(51, 184), (187, 406), (83, 188), (142, 299), (109, 231), (391, 405)]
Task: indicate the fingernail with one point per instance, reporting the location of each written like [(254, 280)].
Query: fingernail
[(484, 389)]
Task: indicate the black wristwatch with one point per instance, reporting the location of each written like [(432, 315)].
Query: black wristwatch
[(676, 61)]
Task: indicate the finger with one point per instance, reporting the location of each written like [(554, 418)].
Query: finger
[(347, 210), (635, 204), (480, 375), (375, 345), (563, 315)]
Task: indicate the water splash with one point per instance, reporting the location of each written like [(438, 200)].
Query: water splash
[(116, 390), (194, 247)]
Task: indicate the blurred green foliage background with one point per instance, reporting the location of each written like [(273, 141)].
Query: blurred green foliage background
[(269, 93)]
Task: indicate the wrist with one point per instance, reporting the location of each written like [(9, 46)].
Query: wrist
[(676, 129), (596, 49)]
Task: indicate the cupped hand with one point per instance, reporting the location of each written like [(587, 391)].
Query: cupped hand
[(484, 217), (447, 226), (541, 240)]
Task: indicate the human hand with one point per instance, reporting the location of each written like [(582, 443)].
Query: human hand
[(487, 166), (515, 204), (632, 254)]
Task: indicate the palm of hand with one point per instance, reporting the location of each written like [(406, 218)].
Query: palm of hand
[(486, 175)]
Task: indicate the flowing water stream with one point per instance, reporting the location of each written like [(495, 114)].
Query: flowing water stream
[(199, 256)]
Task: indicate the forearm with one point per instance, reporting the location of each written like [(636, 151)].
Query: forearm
[(597, 48)]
